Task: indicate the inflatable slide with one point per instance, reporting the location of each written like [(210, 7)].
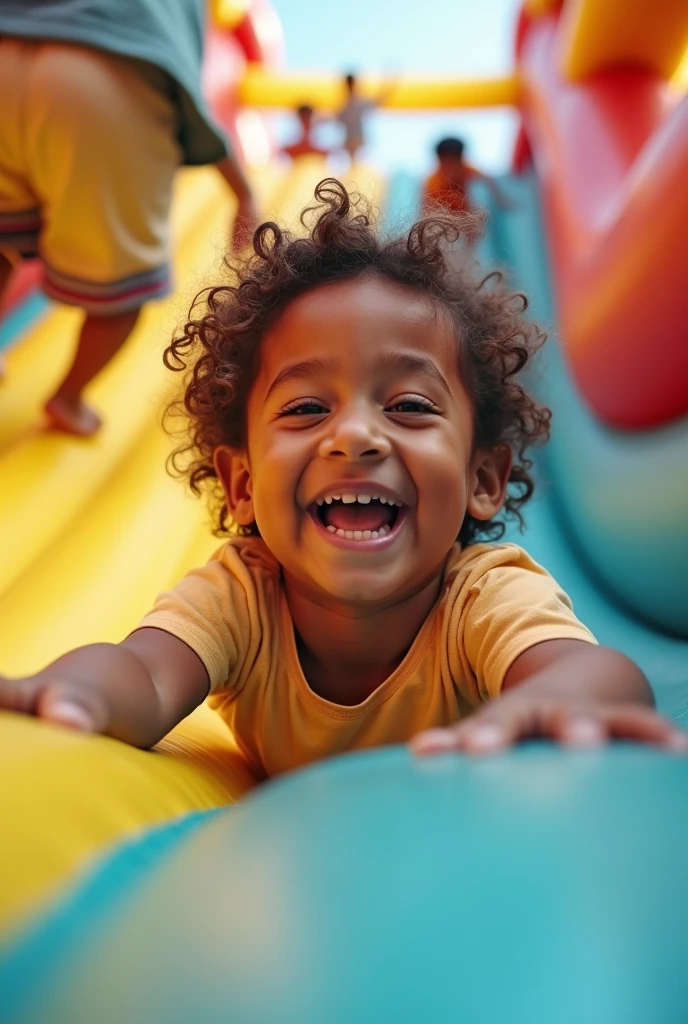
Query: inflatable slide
[(128, 896)]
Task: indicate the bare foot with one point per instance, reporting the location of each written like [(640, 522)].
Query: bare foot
[(72, 417)]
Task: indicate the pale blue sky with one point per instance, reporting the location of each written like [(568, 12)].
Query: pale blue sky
[(454, 37)]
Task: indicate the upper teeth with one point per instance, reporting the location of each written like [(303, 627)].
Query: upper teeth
[(363, 499)]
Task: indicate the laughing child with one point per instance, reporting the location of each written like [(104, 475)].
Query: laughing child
[(357, 410)]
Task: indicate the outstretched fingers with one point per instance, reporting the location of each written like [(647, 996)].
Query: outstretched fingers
[(81, 708), (55, 700), (507, 722), (644, 725), (19, 694)]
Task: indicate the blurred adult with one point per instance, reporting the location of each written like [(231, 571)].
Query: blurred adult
[(101, 103)]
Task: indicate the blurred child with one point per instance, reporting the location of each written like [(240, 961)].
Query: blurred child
[(98, 111), (352, 116), (304, 145), (448, 186), (358, 409)]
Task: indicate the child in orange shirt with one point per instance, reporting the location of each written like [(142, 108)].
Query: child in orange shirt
[(358, 414), (448, 186)]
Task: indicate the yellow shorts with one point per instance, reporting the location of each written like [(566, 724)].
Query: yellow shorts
[(88, 152)]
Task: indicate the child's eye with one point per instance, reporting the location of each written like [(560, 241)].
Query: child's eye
[(304, 407), (412, 404)]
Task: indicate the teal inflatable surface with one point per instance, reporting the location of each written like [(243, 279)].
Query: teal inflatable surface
[(538, 887), (623, 496)]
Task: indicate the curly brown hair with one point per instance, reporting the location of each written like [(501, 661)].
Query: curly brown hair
[(220, 344)]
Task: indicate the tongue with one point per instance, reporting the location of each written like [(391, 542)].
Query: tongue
[(358, 517)]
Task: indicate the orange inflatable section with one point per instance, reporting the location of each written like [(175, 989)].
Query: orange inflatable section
[(613, 169)]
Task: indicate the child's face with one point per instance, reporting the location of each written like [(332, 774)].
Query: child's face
[(358, 394)]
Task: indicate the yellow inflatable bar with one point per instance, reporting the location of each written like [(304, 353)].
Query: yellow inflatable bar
[(109, 530), (261, 87)]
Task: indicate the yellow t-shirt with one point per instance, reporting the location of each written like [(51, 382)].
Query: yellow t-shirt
[(495, 603)]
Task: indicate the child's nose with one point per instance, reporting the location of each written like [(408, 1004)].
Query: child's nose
[(355, 437)]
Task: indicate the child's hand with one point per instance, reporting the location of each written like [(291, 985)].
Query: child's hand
[(57, 698), (135, 691), (516, 717)]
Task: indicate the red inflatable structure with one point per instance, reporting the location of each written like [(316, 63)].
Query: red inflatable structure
[(616, 205)]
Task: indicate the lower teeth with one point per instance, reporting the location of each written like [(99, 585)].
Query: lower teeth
[(360, 534)]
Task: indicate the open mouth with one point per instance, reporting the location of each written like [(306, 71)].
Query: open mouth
[(357, 517)]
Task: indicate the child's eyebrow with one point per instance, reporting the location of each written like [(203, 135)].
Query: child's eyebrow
[(299, 371), (402, 362), (410, 361)]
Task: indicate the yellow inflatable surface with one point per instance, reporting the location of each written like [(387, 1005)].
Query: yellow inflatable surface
[(91, 531)]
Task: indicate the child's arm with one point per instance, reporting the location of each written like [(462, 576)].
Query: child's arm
[(497, 193), (246, 218), (565, 690), (135, 691)]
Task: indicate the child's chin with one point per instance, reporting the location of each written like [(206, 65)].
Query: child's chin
[(362, 589)]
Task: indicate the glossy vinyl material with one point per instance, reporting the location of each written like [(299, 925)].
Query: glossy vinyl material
[(535, 887), (611, 155)]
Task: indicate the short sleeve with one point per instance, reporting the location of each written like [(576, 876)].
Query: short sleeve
[(503, 603), (214, 610)]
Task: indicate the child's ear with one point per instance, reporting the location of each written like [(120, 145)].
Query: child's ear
[(234, 474), (489, 477)]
